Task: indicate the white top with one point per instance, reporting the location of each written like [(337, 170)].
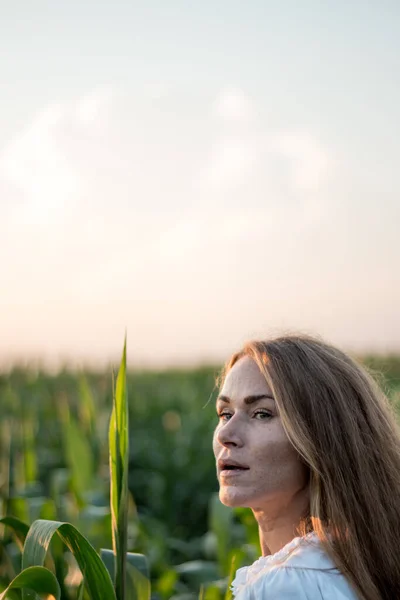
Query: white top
[(301, 570)]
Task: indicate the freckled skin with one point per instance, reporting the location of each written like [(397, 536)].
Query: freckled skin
[(276, 476)]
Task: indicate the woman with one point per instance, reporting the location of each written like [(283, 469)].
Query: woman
[(308, 441)]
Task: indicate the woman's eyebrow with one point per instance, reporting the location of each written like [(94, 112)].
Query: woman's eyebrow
[(247, 399)]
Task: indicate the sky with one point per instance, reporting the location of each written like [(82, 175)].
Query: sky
[(197, 175)]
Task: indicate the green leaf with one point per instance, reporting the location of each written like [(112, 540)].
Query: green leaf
[(221, 525), (138, 585), (19, 508), (81, 591), (119, 459), (79, 458), (138, 574), (211, 592), (11, 594), (97, 579), (87, 409), (197, 572), (233, 569), (38, 580), (29, 447), (19, 527), (166, 583)]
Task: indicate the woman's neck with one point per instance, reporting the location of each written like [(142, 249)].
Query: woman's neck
[(277, 526)]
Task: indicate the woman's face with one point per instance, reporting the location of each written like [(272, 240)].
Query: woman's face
[(250, 435)]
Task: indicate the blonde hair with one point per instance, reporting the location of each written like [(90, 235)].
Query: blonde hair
[(346, 432)]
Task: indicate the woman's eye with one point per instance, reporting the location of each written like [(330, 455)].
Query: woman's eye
[(262, 415), (224, 416)]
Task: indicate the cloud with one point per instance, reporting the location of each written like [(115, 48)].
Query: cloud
[(84, 160), (230, 162), (249, 153), (115, 203), (310, 162), (94, 108), (232, 104), (35, 164), (112, 175)]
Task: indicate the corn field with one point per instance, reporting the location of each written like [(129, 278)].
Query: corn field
[(108, 486)]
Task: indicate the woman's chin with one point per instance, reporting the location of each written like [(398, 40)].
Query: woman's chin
[(233, 498)]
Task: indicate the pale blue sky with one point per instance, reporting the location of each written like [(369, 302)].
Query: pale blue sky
[(199, 173)]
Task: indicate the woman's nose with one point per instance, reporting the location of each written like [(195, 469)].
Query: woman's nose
[(229, 434)]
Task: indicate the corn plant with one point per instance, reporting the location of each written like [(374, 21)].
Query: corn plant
[(54, 460), (114, 575)]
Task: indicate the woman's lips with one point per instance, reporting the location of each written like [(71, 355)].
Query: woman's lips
[(228, 463), (235, 472), (227, 473)]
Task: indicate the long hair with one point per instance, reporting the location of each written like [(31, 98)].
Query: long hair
[(346, 432)]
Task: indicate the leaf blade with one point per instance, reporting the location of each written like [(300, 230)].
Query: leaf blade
[(37, 579), (119, 462), (97, 578)]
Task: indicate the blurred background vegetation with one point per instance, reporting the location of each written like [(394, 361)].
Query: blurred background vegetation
[(54, 465)]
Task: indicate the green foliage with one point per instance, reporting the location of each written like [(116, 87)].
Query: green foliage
[(35, 580), (55, 466), (221, 520), (137, 572), (19, 528), (79, 459), (97, 578), (119, 464)]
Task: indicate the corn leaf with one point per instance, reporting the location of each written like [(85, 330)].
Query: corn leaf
[(12, 594), (198, 572), (233, 569), (34, 580), (211, 592), (119, 458), (29, 449), (87, 409), (79, 458), (221, 525), (138, 574), (19, 528), (138, 585), (97, 579)]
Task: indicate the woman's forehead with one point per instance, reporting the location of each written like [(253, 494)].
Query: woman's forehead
[(243, 379)]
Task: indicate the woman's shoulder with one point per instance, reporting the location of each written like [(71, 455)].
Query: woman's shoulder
[(301, 570)]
